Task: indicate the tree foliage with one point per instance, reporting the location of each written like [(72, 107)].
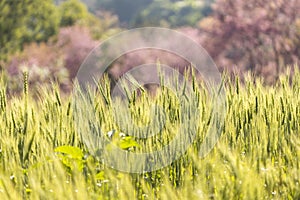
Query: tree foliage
[(173, 13), (72, 11), (126, 10), (33, 21), (25, 21)]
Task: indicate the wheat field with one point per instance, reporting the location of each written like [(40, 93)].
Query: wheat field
[(42, 155)]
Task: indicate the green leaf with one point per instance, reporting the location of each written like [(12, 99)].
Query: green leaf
[(128, 142), (73, 152), (100, 176)]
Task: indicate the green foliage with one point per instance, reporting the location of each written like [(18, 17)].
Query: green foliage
[(128, 142), (25, 21), (100, 26), (70, 155), (11, 24), (173, 14), (42, 23), (73, 152), (257, 156), (72, 11), (126, 10), (170, 13)]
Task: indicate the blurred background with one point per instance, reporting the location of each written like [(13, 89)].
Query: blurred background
[(51, 38)]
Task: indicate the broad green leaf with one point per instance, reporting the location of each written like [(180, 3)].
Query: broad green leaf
[(128, 142), (73, 152)]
